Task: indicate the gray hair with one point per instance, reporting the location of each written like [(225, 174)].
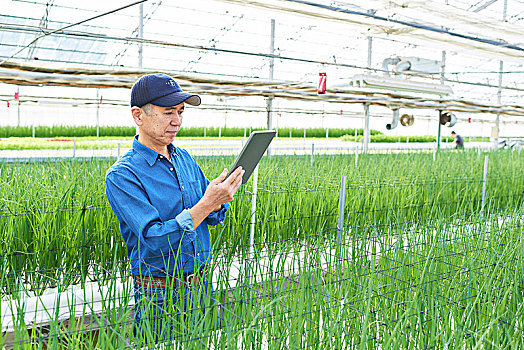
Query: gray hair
[(147, 108)]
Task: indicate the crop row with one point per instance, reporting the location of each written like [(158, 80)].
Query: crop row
[(129, 131), (55, 215), (451, 283)]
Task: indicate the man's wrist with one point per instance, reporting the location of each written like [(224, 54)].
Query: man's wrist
[(199, 212), (205, 207)]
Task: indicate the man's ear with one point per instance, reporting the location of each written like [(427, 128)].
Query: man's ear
[(137, 113)]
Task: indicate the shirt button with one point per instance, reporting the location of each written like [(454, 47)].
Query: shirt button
[(182, 187), (160, 157), (170, 169)]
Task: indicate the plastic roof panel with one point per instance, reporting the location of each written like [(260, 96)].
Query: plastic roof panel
[(232, 26)]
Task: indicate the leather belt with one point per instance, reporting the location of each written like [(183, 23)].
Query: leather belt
[(163, 282)]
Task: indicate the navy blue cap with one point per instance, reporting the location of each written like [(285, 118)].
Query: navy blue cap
[(160, 90)]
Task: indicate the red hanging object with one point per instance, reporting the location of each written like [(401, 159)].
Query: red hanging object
[(469, 120), (16, 95), (7, 104), (341, 111), (100, 99), (322, 83)]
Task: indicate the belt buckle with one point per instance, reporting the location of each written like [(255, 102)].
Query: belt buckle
[(190, 277), (157, 282)]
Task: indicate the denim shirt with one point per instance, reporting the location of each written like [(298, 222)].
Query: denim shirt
[(151, 196)]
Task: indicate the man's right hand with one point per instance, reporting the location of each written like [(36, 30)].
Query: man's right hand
[(222, 190), (218, 192)]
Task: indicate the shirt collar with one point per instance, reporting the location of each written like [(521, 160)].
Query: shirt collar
[(171, 148), (150, 155)]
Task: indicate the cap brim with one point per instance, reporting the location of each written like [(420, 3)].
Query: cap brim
[(177, 98)]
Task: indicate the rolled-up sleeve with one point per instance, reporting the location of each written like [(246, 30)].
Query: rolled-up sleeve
[(131, 205), (217, 217)]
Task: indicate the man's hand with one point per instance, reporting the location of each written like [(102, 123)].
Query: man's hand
[(219, 191)]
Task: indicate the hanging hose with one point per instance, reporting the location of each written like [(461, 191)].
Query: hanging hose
[(395, 120)]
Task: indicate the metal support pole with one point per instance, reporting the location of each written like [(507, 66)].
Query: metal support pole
[(220, 132), (499, 101), (484, 180), (140, 48), (366, 128), (370, 50), (118, 152), (18, 94), (33, 127), (252, 219), (356, 157), (205, 131), (140, 34), (365, 139), (497, 134), (272, 50), (443, 67), (438, 132), (269, 105), (356, 134), (98, 113), (312, 153), (269, 109), (340, 227), (74, 147), (442, 77)]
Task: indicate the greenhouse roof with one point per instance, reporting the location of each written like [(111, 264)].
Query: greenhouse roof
[(231, 40)]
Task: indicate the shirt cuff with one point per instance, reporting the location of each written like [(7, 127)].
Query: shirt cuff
[(217, 217), (185, 222)]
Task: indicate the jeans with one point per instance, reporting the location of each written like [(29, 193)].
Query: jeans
[(174, 314)]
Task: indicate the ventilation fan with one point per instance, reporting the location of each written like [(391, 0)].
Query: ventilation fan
[(407, 120)]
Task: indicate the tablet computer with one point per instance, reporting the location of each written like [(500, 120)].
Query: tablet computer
[(253, 150)]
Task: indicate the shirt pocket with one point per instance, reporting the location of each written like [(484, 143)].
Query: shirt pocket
[(196, 191)]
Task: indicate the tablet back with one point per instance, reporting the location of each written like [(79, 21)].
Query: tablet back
[(252, 152)]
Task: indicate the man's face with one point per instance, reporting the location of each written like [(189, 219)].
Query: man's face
[(161, 124)]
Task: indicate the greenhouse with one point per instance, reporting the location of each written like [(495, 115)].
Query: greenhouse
[(345, 174)]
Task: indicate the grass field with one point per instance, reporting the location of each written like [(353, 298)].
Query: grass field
[(418, 266)]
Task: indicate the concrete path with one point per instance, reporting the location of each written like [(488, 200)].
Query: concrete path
[(233, 147)]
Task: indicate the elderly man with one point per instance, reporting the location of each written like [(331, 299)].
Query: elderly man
[(164, 204)]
